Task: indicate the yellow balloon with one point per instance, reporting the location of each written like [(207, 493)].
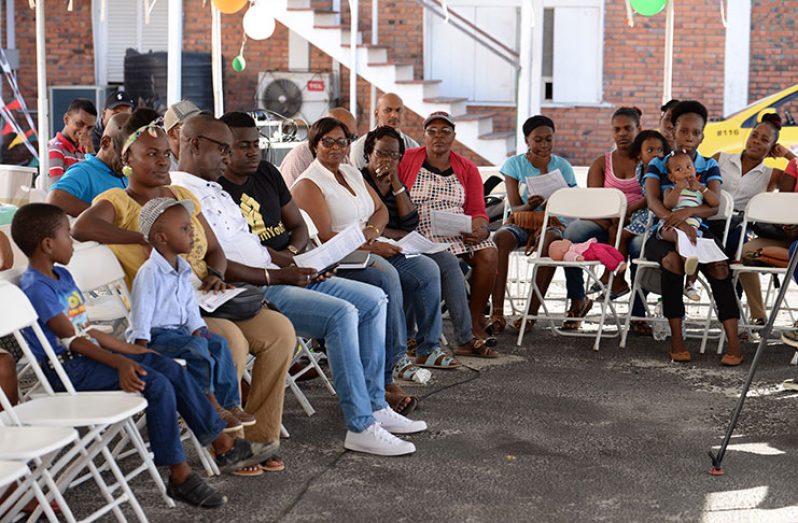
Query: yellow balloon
[(229, 7)]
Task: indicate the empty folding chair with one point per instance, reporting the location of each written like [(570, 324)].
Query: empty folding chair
[(589, 204)]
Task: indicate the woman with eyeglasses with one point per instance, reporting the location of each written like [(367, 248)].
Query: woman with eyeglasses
[(383, 148), (442, 180), (335, 196)]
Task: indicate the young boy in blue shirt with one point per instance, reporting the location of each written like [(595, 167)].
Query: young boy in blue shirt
[(95, 361), (165, 313)]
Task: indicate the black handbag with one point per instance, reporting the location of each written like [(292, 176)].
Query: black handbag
[(243, 306)]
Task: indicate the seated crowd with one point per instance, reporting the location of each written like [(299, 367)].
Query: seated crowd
[(188, 197)]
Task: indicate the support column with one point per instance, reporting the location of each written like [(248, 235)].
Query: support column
[(737, 57), (667, 77), (174, 86), (43, 102), (216, 62), (353, 24), (528, 92)]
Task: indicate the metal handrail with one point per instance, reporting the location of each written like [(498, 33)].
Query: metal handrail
[(467, 27)]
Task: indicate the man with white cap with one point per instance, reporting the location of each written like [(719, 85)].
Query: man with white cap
[(173, 121)]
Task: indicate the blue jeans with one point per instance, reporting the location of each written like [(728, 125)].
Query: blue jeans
[(168, 389), (421, 290), (350, 318), (209, 361), (382, 274), (453, 288)]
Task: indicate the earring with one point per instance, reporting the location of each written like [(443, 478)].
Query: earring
[(127, 171)]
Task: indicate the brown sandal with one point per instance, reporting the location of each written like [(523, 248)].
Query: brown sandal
[(572, 325), (517, 324), (399, 400), (496, 324), (730, 360), (680, 357), (273, 464), (476, 348), (640, 328)]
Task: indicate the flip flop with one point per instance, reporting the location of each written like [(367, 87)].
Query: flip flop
[(437, 359), (680, 357), (730, 360), (273, 464), (395, 399)]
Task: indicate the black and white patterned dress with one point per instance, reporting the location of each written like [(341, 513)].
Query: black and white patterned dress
[(434, 191)]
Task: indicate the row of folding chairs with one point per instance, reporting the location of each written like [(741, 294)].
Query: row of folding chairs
[(606, 203)]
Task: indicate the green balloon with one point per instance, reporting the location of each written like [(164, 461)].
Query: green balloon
[(239, 63), (648, 7)]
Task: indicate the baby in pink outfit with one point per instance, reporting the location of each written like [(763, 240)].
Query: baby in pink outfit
[(591, 250)]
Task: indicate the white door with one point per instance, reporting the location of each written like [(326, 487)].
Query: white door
[(468, 69)]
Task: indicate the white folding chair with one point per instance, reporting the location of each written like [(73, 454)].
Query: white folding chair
[(769, 207), (517, 284), (313, 231), (590, 203), (34, 449), (101, 416), (725, 212)]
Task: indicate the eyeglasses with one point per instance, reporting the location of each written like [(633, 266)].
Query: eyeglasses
[(329, 143), (224, 148), (385, 154), (443, 131)]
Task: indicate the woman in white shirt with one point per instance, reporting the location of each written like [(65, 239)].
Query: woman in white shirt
[(335, 196)]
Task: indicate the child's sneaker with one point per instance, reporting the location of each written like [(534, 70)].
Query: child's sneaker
[(246, 419), (232, 423), (691, 292), (690, 265)]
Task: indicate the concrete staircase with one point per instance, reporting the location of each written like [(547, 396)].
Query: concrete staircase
[(322, 29)]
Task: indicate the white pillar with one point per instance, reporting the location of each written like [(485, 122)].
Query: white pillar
[(375, 39), (667, 77), (531, 63), (11, 35), (42, 95), (353, 24), (738, 56), (216, 61), (174, 87)]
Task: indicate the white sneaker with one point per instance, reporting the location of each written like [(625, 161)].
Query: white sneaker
[(691, 292), (395, 423), (376, 440)]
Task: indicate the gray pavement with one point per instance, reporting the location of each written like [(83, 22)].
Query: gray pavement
[(551, 432)]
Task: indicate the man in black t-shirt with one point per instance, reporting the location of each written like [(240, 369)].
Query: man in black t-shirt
[(258, 188)]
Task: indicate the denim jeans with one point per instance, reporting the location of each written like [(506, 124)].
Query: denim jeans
[(421, 290), (209, 361), (350, 317), (168, 389), (453, 288), (382, 274)]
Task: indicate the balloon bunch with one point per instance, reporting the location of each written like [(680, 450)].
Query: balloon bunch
[(258, 23)]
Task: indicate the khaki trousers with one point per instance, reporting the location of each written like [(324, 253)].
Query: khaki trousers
[(270, 337)]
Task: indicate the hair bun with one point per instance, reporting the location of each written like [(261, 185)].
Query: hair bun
[(774, 119), (637, 110)]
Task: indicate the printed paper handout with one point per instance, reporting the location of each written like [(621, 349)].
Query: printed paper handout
[(210, 301), (706, 250), (448, 224), (332, 251), (545, 184)]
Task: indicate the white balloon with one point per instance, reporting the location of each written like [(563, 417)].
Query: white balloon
[(259, 24)]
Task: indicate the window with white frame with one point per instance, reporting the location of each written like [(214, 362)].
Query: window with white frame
[(572, 54), (124, 27)]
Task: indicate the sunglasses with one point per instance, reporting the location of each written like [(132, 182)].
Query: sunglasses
[(385, 155), (329, 143)]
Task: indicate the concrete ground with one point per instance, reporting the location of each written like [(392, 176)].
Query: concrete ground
[(552, 431)]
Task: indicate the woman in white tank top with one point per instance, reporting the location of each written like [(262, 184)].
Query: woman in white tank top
[(336, 196)]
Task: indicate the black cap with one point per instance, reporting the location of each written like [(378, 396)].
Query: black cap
[(118, 98)]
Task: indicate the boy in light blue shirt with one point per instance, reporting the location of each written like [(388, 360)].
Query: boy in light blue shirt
[(165, 313)]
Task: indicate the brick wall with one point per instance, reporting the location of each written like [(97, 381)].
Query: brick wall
[(774, 54), (633, 60)]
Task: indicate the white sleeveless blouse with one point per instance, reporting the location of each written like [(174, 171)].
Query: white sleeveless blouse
[(344, 207)]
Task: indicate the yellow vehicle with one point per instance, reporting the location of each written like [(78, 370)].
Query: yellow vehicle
[(731, 133)]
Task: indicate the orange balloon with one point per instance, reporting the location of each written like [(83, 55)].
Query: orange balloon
[(229, 7)]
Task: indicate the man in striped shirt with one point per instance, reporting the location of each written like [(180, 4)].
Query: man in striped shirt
[(73, 142)]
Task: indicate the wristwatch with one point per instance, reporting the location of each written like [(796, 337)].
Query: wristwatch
[(293, 250)]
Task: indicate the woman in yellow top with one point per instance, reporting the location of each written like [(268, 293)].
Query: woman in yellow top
[(113, 219)]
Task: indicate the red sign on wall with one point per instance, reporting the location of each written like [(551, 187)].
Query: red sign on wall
[(315, 85)]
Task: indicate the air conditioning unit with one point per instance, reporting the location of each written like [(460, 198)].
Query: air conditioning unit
[(292, 94)]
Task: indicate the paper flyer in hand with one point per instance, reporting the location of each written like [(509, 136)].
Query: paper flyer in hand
[(333, 250), (545, 184), (706, 250), (210, 301), (448, 224)]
